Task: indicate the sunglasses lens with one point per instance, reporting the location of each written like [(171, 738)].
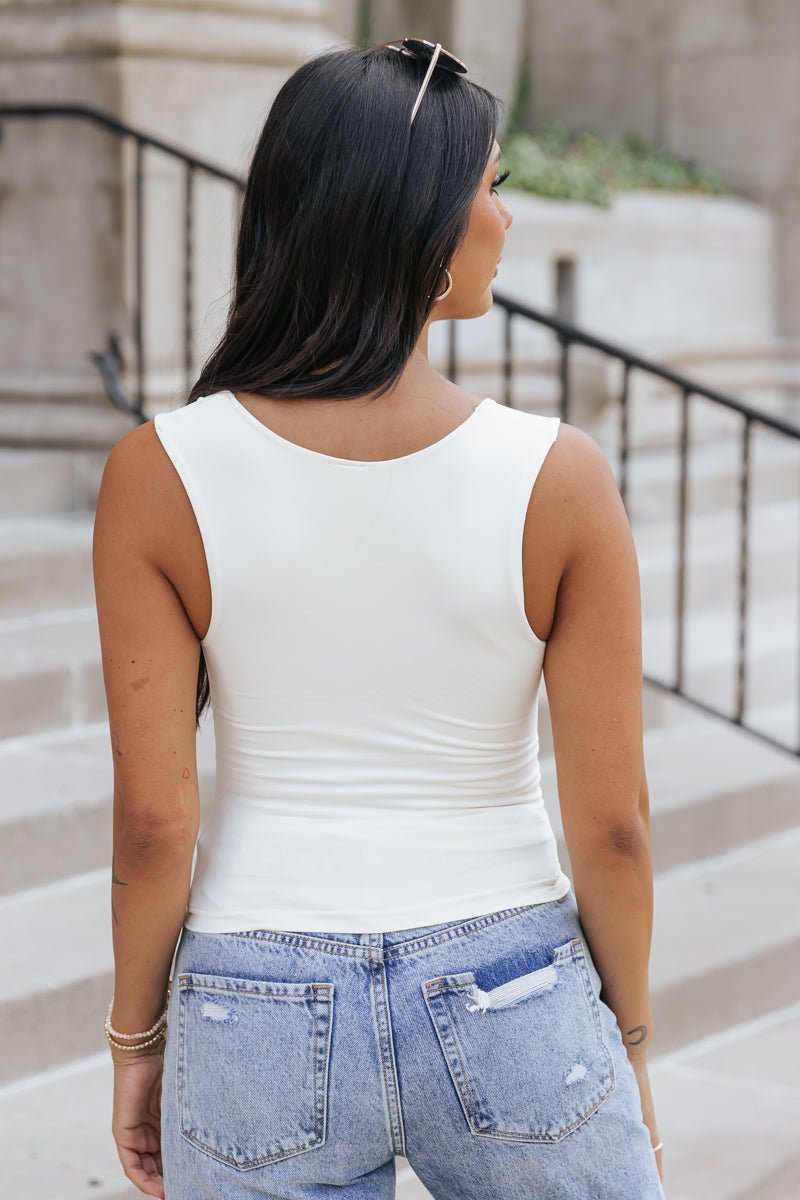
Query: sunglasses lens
[(421, 48)]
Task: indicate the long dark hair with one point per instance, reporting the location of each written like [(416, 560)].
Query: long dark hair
[(349, 216)]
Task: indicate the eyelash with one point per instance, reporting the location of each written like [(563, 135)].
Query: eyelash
[(500, 179)]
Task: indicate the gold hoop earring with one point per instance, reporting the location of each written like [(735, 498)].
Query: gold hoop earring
[(446, 291)]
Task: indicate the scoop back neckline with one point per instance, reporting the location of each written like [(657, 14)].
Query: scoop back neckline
[(307, 452)]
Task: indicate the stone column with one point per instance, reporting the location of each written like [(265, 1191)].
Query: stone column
[(201, 77)]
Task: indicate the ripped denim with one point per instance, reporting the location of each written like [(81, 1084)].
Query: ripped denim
[(479, 1050)]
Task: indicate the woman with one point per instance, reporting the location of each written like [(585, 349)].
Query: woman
[(379, 953)]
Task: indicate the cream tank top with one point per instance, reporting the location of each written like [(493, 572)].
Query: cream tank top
[(374, 678)]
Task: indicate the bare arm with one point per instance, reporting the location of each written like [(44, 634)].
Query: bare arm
[(150, 661), (593, 678)]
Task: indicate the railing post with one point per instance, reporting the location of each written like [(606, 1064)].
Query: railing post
[(138, 311), (507, 368), (741, 648), (682, 513), (188, 246), (624, 433), (564, 376)]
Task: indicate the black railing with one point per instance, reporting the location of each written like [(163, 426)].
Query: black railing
[(687, 389), (110, 362), (567, 338)]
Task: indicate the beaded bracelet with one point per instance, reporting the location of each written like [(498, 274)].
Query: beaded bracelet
[(132, 1037), (159, 1037)]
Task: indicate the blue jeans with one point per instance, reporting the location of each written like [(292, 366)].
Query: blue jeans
[(297, 1065)]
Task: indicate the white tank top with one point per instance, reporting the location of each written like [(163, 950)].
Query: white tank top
[(374, 678)]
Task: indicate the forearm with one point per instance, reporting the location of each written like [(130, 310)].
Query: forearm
[(613, 884), (150, 889)]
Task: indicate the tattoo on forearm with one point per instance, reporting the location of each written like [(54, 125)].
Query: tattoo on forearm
[(114, 876), (117, 752), (115, 879), (641, 1030)]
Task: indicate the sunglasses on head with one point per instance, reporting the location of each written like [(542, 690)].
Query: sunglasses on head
[(431, 52)]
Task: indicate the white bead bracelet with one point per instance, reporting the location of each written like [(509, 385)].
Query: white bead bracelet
[(159, 1037), (133, 1037)]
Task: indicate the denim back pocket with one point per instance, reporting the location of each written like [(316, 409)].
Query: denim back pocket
[(528, 1058), (252, 1066)]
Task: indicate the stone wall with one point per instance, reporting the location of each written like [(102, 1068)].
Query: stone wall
[(718, 80), (201, 76)]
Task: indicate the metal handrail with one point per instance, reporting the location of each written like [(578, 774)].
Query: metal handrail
[(96, 116), (110, 364)]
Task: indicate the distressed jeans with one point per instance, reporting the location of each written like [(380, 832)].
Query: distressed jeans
[(298, 1065)]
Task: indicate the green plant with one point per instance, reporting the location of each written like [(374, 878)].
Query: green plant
[(568, 164)]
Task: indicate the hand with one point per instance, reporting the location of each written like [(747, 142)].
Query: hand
[(136, 1121), (639, 1064)]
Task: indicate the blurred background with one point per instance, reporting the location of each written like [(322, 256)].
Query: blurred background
[(649, 293)]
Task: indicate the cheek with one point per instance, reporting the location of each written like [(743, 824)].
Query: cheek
[(485, 234)]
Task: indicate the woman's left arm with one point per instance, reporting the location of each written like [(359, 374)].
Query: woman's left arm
[(150, 655)]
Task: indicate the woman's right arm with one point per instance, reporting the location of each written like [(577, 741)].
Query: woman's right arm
[(593, 678)]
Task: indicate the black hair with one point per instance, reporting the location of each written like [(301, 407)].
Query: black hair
[(349, 216)]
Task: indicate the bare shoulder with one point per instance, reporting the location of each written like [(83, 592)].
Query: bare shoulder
[(576, 458), (576, 490), (139, 487)]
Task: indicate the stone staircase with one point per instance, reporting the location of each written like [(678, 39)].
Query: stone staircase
[(725, 816)]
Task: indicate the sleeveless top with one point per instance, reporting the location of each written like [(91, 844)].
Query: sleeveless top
[(374, 678)]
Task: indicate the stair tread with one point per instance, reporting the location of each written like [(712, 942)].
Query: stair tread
[(51, 640), (45, 530), (771, 626), (772, 525), (688, 761), (73, 1104), (54, 771), (72, 918), (727, 910)]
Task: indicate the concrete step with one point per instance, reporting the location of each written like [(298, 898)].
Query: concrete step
[(712, 558), (714, 471), (79, 1158), (89, 421), (45, 563), (726, 940), (39, 482), (728, 1111), (50, 672), (55, 815), (772, 655), (56, 949), (712, 789)]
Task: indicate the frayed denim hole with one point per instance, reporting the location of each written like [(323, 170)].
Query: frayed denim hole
[(217, 1013)]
